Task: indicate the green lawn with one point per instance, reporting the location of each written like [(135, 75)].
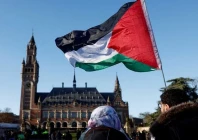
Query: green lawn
[(73, 136)]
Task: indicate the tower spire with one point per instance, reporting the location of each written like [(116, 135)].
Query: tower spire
[(117, 84), (74, 80), (23, 62), (32, 41), (32, 32), (117, 89)]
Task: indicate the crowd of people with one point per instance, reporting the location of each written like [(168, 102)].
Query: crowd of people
[(178, 121), (13, 135)]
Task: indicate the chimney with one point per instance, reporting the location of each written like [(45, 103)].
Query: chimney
[(85, 84), (62, 85)]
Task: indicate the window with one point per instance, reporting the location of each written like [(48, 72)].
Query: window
[(26, 106), (64, 115), (73, 114), (26, 115), (84, 124), (83, 115), (51, 114), (52, 125), (74, 124), (58, 125), (58, 115), (45, 114), (64, 124)]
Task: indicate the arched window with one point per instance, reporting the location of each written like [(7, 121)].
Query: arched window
[(52, 125), (64, 124), (58, 125), (74, 124), (84, 124)]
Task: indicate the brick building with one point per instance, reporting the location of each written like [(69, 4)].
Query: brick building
[(62, 107)]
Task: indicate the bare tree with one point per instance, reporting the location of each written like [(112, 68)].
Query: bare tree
[(7, 110)]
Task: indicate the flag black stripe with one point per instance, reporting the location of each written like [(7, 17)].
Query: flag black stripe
[(77, 39)]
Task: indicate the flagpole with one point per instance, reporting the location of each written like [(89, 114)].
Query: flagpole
[(163, 78), (143, 3)]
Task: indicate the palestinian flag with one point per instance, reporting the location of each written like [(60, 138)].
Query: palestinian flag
[(126, 37)]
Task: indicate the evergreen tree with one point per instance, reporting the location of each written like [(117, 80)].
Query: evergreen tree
[(187, 84)]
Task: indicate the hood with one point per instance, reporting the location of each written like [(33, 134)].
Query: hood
[(181, 115)]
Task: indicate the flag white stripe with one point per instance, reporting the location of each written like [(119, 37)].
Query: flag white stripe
[(92, 53)]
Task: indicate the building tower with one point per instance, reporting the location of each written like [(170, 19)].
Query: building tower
[(117, 89), (29, 76), (74, 81)]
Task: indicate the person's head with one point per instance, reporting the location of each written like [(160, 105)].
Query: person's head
[(104, 116), (172, 97)]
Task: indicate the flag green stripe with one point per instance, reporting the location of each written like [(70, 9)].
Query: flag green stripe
[(119, 58)]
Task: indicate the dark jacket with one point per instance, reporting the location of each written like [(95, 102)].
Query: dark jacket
[(103, 133), (68, 136), (178, 123)]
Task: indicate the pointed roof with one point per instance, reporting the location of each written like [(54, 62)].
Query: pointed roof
[(23, 62), (74, 81), (32, 41), (117, 80), (117, 85)]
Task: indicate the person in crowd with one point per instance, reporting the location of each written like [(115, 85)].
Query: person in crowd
[(178, 119), (78, 133), (133, 135), (142, 135), (68, 136), (58, 135), (53, 135), (104, 124)]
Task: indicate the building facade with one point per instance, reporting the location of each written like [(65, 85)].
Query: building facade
[(62, 107)]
